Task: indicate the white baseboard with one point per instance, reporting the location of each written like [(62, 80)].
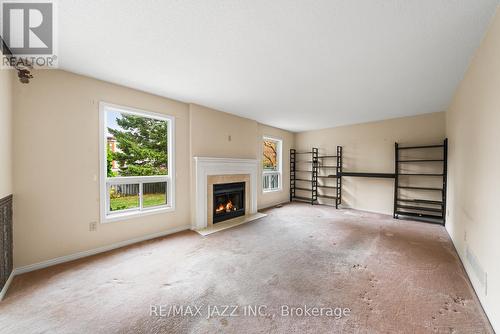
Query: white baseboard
[(6, 286), (75, 256)]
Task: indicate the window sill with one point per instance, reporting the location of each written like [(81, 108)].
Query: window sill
[(272, 191), (118, 217)]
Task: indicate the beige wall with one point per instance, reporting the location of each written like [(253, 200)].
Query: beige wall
[(473, 127), (56, 162), (222, 135), (6, 79), (369, 147)]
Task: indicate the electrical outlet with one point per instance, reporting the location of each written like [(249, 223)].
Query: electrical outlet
[(229, 138), (465, 235), (93, 226)]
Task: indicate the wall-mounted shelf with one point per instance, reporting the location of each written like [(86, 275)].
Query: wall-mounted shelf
[(374, 175), (420, 208), (424, 174), (420, 147), (303, 199), (422, 201), (435, 218), (421, 188), (421, 160)]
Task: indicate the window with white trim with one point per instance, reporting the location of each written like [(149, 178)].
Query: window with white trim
[(136, 162), (271, 164)]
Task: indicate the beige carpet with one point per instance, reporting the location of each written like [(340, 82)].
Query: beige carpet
[(394, 276)]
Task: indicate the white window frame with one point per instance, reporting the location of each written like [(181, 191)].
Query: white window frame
[(280, 165), (106, 183)]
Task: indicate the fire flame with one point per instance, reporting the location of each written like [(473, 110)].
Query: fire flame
[(220, 208), (228, 207)]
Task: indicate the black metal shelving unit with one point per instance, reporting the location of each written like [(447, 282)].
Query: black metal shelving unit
[(327, 164), (338, 201), (431, 209), (314, 183), (292, 174), (304, 179), (305, 176)]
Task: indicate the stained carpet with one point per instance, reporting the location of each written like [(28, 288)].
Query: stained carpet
[(393, 276)]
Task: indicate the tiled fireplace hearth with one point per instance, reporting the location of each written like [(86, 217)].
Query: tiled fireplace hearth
[(213, 174)]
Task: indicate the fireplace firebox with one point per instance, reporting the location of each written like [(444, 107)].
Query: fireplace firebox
[(229, 201)]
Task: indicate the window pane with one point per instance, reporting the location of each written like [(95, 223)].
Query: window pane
[(154, 194), (136, 145), (270, 155), (270, 181), (123, 197)]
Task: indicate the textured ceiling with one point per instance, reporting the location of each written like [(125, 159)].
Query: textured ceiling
[(297, 65)]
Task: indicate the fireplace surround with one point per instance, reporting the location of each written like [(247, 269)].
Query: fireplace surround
[(210, 171)]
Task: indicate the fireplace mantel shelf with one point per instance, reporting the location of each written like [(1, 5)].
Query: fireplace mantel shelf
[(226, 160)]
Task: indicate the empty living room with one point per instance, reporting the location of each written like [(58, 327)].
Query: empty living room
[(229, 166)]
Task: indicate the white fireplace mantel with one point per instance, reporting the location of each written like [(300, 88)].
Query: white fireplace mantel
[(205, 166)]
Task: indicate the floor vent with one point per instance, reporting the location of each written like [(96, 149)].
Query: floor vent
[(477, 269)]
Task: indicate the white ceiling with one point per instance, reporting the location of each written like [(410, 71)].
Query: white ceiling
[(297, 65)]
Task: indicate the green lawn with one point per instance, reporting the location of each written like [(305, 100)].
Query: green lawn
[(130, 202)]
